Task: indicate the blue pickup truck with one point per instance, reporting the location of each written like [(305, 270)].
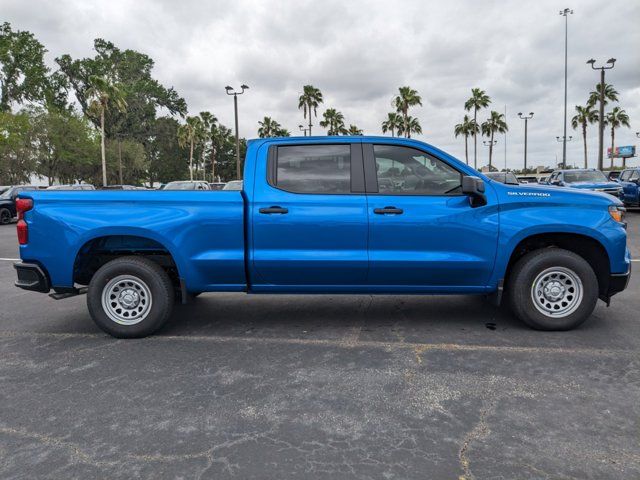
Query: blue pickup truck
[(320, 215), (630, 182), (585, 179)]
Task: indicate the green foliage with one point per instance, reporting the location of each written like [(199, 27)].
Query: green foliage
[(407, 97), (333, 120), (392, 124), (309, 102), (167, 159), (354, 130), (17, 159), (23, 74), (271, 128)]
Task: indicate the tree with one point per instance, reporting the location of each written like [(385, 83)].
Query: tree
[(101, 93), (407, 97), (478, 100), (333, 120), (413, 126), (167, 159), (616, 118), (392, 124), (17, 159), (283, 132), (610, 94), (494, 124), (309, 101), (467, 128), (584, 115), (354, 130), (269, 128), (188, 134), (23, 73)]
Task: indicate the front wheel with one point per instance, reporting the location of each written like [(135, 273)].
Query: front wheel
[(5, 216), (553, 289), (130, 297)]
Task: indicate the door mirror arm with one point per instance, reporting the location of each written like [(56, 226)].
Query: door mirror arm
[(474, 187)]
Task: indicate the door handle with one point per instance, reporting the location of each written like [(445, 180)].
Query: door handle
[(385, 210), (274, 209)]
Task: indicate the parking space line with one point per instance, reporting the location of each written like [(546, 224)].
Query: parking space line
[(423, 347)]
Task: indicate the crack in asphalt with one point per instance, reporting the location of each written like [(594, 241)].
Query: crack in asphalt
[(479, 431)]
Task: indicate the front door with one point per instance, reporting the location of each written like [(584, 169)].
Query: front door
[(423, 231), (309, 218)]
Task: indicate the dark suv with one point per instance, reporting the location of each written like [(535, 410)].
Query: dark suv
[(8, 202)]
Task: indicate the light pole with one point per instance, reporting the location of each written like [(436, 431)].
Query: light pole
[(601, 119), (231, 91), (490, 144), (565, 13), (302, 129), (564, 141), (526, 119)]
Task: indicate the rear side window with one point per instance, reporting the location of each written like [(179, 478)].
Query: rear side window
[(319, 169), (625, 175), (634, 176)]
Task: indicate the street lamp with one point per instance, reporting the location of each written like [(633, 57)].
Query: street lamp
[(601, 119), (526, 119), (231, 91), (302, 129), (565, 13)]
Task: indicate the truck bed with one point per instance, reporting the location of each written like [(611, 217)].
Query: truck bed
[(202, 230)]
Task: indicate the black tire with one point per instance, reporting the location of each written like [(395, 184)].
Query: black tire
[(575, 284), (139, 278), (5, 216)]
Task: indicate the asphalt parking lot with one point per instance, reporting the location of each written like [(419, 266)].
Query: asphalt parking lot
[(278, 387)]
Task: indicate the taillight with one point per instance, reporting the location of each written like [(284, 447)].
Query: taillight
[(23, 232), (23, 205)]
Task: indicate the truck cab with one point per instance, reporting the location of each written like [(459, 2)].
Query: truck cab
[(630, 182)]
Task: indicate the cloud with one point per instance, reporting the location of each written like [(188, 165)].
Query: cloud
[(358, 53)]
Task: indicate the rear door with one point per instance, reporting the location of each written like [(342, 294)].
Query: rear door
[(629, 182), (423, 231), (309, 217)]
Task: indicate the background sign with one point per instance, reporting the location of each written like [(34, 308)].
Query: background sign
[(623, 152)]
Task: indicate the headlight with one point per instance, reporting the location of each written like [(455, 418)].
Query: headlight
[(617, 213)]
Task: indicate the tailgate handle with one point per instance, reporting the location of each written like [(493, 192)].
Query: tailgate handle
[(274, 209), (385, 210)]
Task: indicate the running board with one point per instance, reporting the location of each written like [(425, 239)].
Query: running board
[(69, 293)]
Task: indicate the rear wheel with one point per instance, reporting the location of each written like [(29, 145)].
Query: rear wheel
[(130, 297), (5, 216), (553, 289)]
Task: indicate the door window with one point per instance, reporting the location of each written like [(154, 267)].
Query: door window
[(634, 176), (625, 175), (318, 169), (407, 171)]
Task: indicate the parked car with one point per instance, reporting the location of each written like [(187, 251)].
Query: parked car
[(4, 188), (8, 202), (233, 185), (122, 187), (187, 185), (585, 179), (503, 177), (217, 185), (80, 186), (630, 183), (527, 179), (315, 217), (613, 175)]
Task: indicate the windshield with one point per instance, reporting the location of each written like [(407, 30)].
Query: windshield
[(503, 177), (7, 193), (584, 176)]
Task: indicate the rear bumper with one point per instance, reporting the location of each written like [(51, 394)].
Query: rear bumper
[(32, 277)]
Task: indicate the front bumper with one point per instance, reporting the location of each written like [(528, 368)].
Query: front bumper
[(32, 277), (618, 282)]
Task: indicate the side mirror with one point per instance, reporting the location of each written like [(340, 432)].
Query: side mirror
[(474, 187)]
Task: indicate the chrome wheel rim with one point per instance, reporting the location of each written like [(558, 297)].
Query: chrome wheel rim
[(557, 292), (126, 300)]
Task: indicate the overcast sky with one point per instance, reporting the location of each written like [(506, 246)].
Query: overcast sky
[(359, 53)]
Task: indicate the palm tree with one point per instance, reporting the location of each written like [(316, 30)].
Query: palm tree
[(269, 128), (494, 124), (407, 97), (189, 134), (309, 101), (610, 93), (466, 128), (584, 115), (334, 121), (100, 94), (616, 118), (283, 132), (354, 130), (479, 99), (208, 121), (392, 124), (413, 126)]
